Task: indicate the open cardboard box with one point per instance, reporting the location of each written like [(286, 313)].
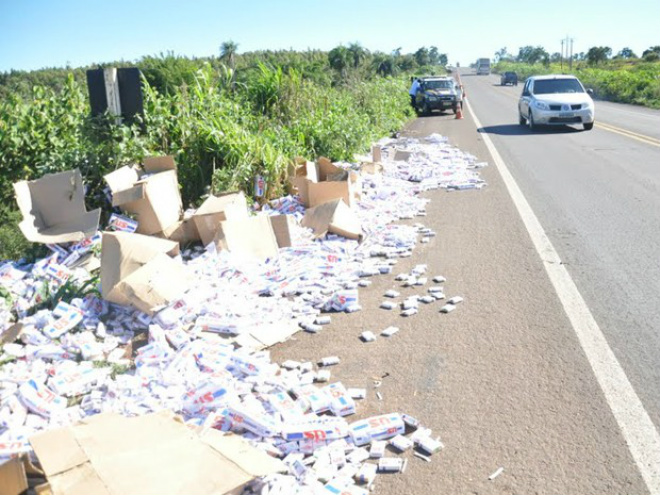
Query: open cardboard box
[(53, 209), (153, 454), (14, 475), (150, 193), (138, 270), (323, 181)]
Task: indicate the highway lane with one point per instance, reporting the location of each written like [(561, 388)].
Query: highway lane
[(596, 195)]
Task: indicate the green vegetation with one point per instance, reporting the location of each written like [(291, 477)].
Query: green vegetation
[(224, 119), (623, 78)]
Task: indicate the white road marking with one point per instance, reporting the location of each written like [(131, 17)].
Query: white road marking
[(638, 430)]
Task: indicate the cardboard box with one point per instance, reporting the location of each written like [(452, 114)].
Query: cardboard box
[(183, 231), (319, 182), (13, 479), (335, 217), (153, 454), (53, 209), (150, 193), (216, 209), (14, 475), (251, 237), (138, 270)]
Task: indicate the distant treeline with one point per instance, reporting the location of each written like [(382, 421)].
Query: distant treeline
[(167, 71)]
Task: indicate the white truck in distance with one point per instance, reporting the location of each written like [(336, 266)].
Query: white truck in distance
[(483, 66)]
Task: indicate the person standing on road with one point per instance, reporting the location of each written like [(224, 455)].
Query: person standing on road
[(413, 92)]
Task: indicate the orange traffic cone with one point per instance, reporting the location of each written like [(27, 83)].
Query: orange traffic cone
[(459, 111)]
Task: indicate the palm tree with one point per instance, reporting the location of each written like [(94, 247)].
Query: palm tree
[(356, 53), (228, 51), (339, 59)]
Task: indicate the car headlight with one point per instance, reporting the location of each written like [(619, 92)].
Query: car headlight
[(540, 105), (588, 104)]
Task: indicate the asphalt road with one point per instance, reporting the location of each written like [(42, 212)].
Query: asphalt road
[(596, 195), (503, 380)]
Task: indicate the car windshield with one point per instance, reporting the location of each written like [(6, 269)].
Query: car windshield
[(547, 86), (437, 84)]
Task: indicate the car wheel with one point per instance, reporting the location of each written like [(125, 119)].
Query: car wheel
[(426, 110), (530, 122), (588, 127), (455, 109), (521, 120)]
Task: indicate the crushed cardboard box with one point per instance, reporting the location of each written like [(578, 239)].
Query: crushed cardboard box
[(216, 209), (138, 270), (151, 193), (323, 181), (53, 209), (150, 454), (335, 217)]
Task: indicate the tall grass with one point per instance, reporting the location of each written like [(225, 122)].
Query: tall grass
[(221, 131)]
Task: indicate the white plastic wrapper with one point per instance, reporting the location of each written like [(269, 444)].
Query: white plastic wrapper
[(40, 399)]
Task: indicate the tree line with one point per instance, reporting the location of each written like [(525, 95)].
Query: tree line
[(593, 56), (166, 71)]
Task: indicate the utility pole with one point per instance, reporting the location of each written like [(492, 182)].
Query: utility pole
[(561, 57), (570, 60)]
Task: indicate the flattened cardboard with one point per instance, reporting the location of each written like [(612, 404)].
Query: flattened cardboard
[(251, 237), (282, 227), (137, 270), (53, 209), (216, 209), (335, 217), (151, 194), (13, 479), (144, 455)]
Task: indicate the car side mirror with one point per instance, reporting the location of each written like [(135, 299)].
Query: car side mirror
[(590, 92)]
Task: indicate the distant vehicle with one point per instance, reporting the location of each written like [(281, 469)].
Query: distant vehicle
[(555, 100), (438, 93), (509, 78), (483, 66)]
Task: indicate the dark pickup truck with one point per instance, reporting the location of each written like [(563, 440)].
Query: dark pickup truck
[(509, 78)]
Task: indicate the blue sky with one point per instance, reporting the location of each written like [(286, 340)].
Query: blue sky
[(54, 33)]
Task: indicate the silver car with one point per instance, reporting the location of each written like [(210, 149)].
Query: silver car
[(555, 100)]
